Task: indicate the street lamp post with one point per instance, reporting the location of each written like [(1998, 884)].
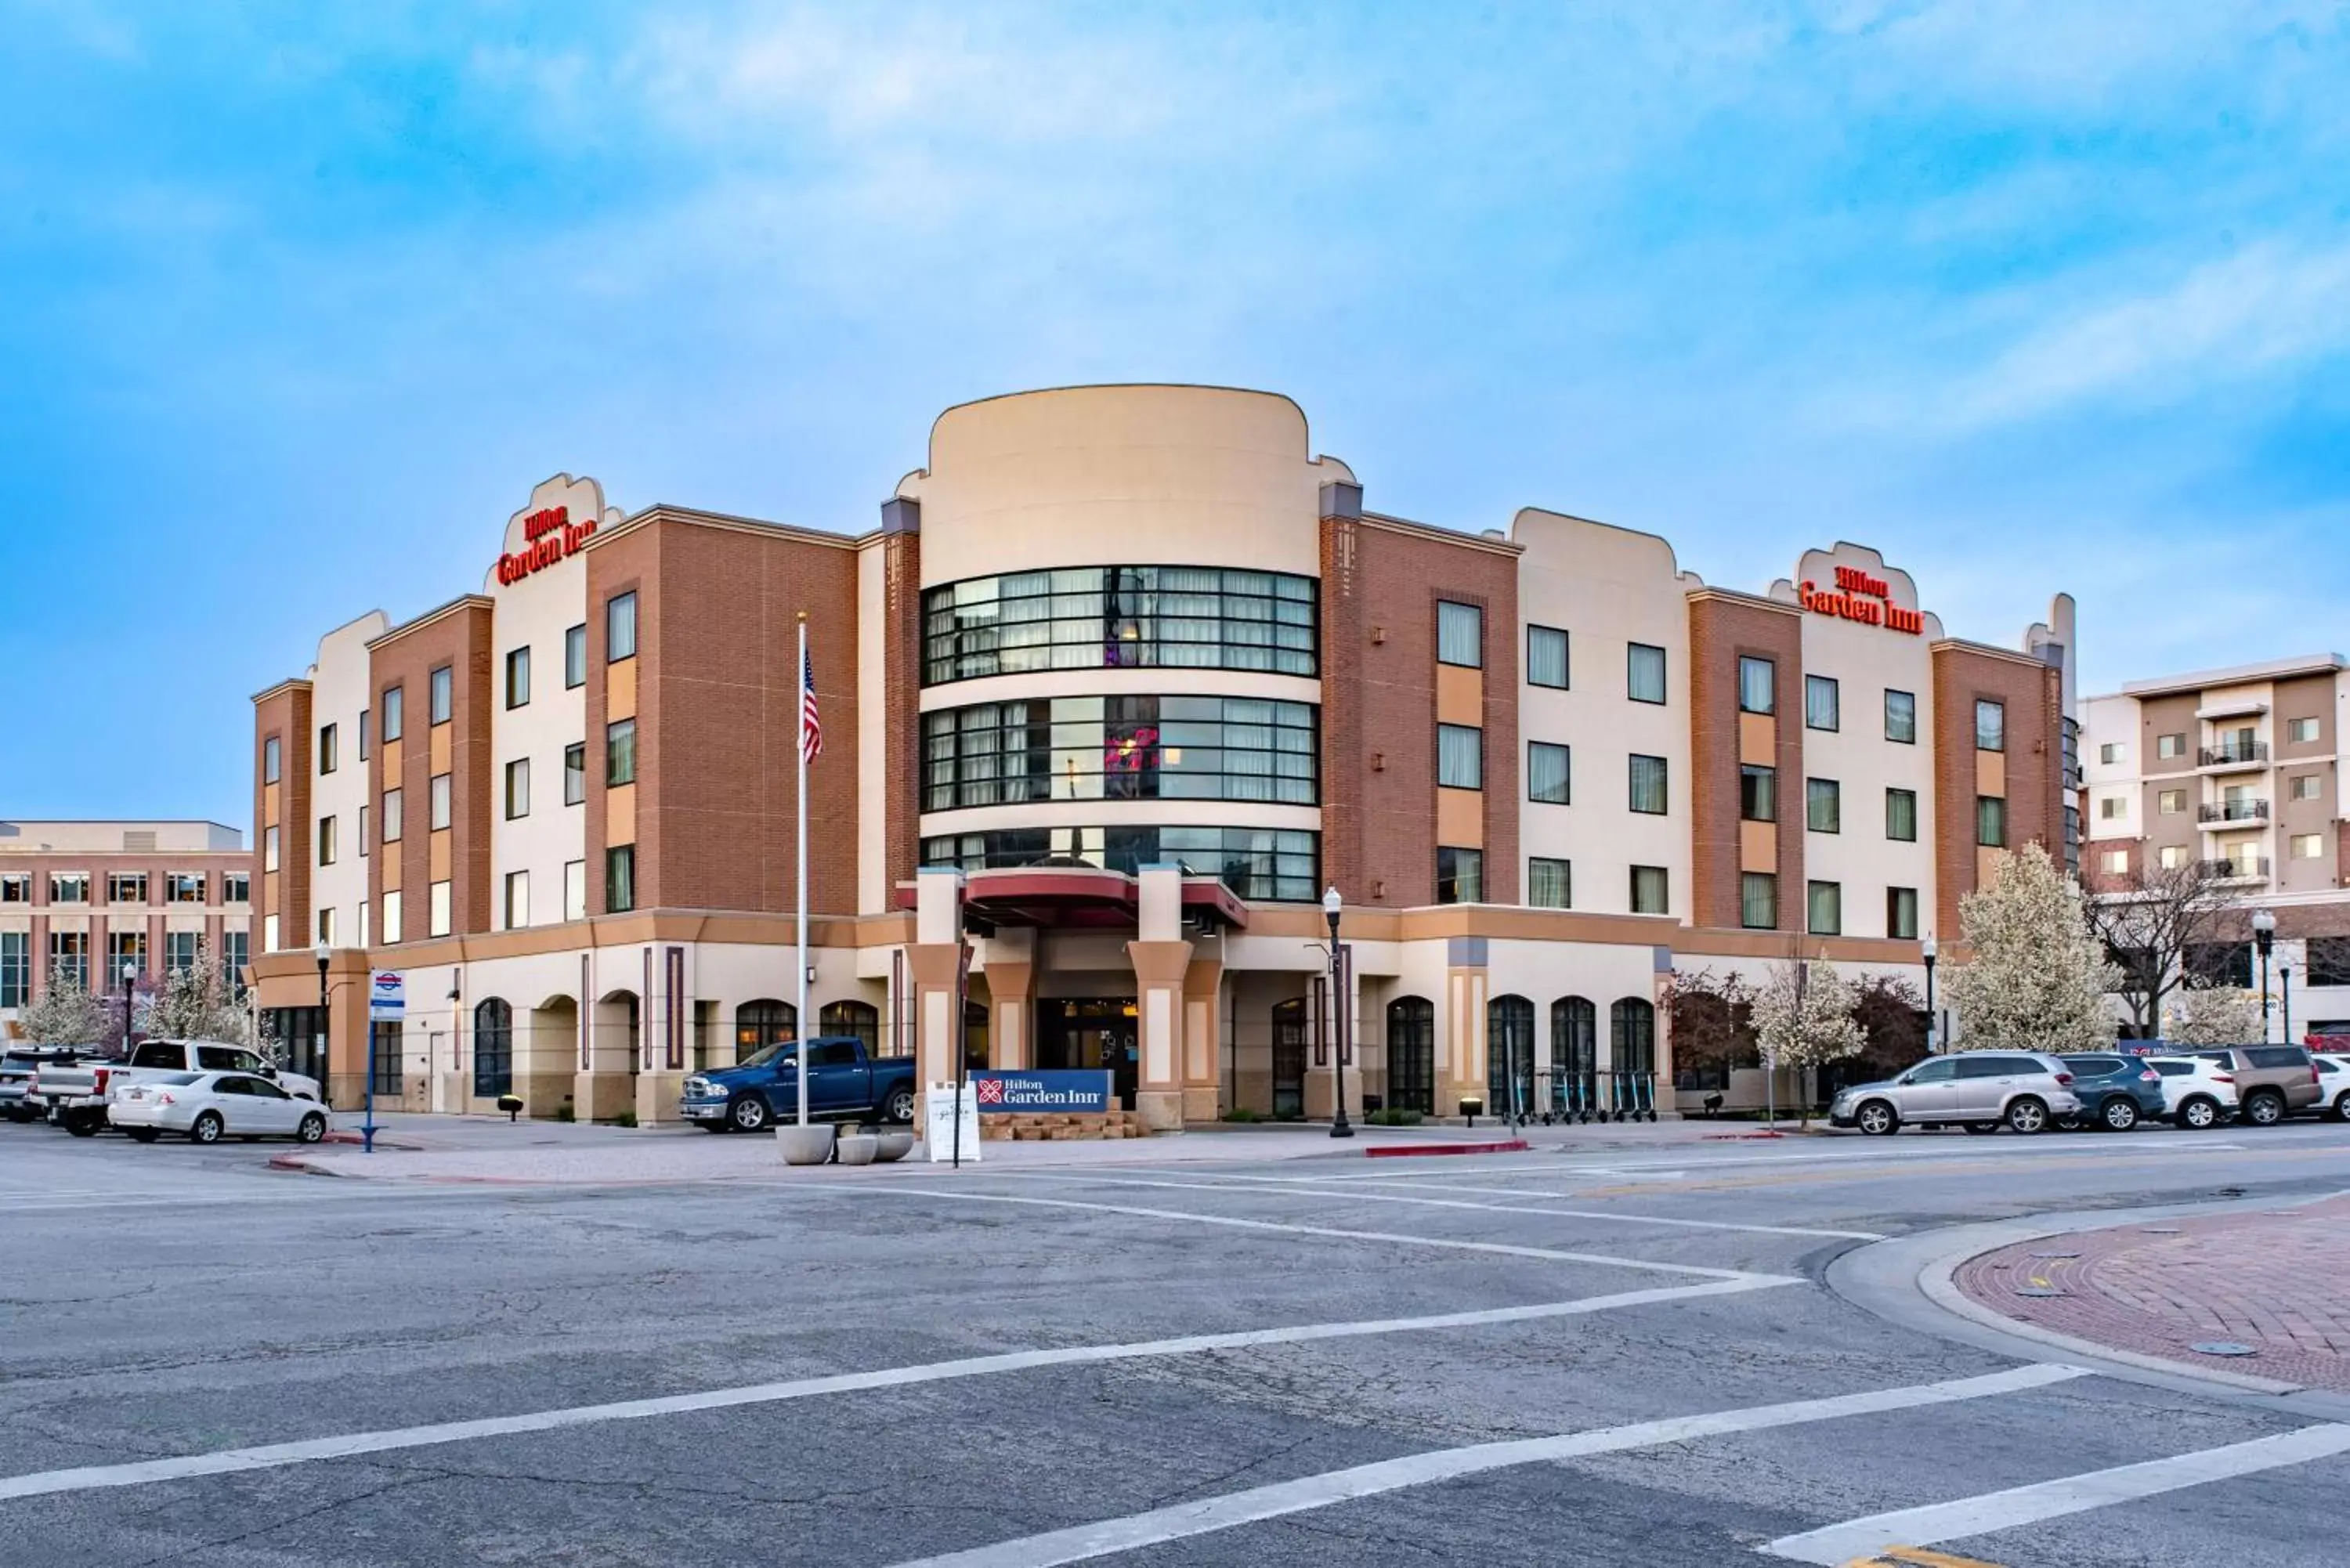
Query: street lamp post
[(130, 979), (1933, 1032), (1338, 1125), (2285, 982), (2263, 938)]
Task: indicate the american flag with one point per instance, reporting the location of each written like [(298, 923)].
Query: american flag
[(811, 727)]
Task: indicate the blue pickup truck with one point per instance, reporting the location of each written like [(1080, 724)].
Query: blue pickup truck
[(760, 1090)]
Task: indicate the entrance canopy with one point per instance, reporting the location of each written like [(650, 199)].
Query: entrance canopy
[(1082, 897)]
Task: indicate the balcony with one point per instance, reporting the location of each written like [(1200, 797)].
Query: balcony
[(2232, 813), (2234, 754), (2245, 868)]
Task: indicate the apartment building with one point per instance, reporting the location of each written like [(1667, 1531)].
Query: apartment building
[(92, 899), (1122, 680)]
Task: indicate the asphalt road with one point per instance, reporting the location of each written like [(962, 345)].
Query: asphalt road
[(1627, 1358)]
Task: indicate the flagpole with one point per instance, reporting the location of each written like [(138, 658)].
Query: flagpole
[(799, 904)]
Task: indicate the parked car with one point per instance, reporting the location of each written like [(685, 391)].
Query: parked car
[(71, 1090), (2334, 1083), (209, 1107), (1974, 1089), (18, 1066), (843, 1081), (2197, 1093), (2272, 1081), (2114, 1091), (78, 1091)]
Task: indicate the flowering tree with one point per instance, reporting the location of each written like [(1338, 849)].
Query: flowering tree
[(1804, 1017), (65, 1015), (2037, 976), (197, 1004), (2213, 1015)]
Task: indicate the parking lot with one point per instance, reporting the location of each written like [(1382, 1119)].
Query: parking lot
[(1627, 1355)]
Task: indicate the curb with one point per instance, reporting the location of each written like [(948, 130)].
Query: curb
[(1408, 1150)]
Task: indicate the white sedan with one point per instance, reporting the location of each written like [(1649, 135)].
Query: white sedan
[(209, 1107)]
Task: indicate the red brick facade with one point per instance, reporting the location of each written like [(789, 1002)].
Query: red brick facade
[(458, 638), (2032, 696), (1723, 629), (283, 714)]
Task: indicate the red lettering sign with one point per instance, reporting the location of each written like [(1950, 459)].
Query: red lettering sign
[(549, 536), (1860, 597)]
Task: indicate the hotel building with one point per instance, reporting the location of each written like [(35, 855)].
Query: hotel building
[(88, 899), (1123, 679)]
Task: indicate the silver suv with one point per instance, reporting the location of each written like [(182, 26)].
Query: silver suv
[(1974, 1089)]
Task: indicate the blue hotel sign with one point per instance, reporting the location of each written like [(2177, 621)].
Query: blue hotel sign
[(1005, 1092)]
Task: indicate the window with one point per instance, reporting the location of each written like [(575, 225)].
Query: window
[(2170, 745), (438, 802), (1459, 757), (391, 916), (2301, 732), (363, 828), (2110, 752), (392, 817), (236, 887), (326, 841), (2111, 808), (69, 886), (517, 899), (518, 678), (1901, 716), (1122, 748), (2173, 858), (1093, 617), (1281, 865), (16, 969), (493, 1048), (1822, 704), (2114, 862), (1990, 822), (364, 726), (1757, 685), (1644, 673), (1546, 656), (1650, 890), (1824, 911), (1547, 774), (861, 1019), (69, 957), (1823, 806), (361, 941), (326, 927), (1901, 913), (620, 878), (327, 748), (269, 933), (1758, 793), (268, 854), (394, 724), (621, 753), (1411, 1055), (575, 772), (2171, 802), (1460, 876), (183, 888), (1459, 634), (17, 888), (2306, 786), (619, 627), (441, 690), (575, 889), (575, 657), (269, 761), (765, 1023), (517, 788), (126, 887), (1901, 815), (1991, 726), (436, 914), (1649, 784), (1758, 900), (1550, 883), (2328, 961), (2308, 846)]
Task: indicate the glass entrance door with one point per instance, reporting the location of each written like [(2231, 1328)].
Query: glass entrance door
[(1289, 1060), (1091, 1033)]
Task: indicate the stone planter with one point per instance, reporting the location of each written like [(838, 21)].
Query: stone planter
[(858, 1150), (810, 1145), (892, 1147)]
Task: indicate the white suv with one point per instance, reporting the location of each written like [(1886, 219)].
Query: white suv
[(2333, 1082), (2197, 1092)]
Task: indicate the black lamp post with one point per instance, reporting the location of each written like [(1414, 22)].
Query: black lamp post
[(130, 979), (1933, 1024), (1338, 1125), (2284, 981), (326, 1032), (2263, 938)]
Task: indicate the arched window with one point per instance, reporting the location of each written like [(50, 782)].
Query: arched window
[(1411, 1055), (1574, 1053), (761, 1024), (493, 1049), (1632, 1035), (861, 1019), (1289, 1059), (1509, 1055)]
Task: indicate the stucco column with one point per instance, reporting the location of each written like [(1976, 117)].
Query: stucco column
[(932, 960), (1202, 1037), (1460, 1066), (1162, 960), (1011, 996)]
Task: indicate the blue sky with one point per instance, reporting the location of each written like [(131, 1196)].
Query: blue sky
[(299, 300)]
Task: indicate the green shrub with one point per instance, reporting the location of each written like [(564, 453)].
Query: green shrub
[(1393, 1119), (625, 1119), (563, 1113), (1241, 1113)]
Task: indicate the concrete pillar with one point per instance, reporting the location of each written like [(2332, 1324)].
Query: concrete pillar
[(932, 962), (1203, 1017), (1162, 960), (1461, 1064), (1011, 996), (347, 977)]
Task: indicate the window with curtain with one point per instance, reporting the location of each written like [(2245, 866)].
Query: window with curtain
[(395, 710), (621, 753), (442, 689), (1460, 876), (1990, 822), (1546, 656), (1901, 717), (518, 677), (1757, 685), (394, 823), (1546, 772), (1459, 634), (1644, 672), (437, 801), (1095, 618), (1901, 815), (1647, 782), (1901, 913), (620, 879), (1991, 726), (1824, 909), (1758, 900), (1550, 883), (1758, 793), (517, 788), (1823, 806), (1459, 757), (575, 772), (1651, 890), (1821, 702), (619, 627), (327, 748), (575, 656)]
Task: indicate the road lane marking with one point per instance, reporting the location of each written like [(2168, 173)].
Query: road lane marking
[(1181, 1521), (1447, 1243), (1918, 1557), (1223, 1183), (1695, 1162), (271, 1456), (2023, 1505)]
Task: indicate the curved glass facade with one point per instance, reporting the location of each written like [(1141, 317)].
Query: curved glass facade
[(1120, 748), (1120, 618), (1274, 865)]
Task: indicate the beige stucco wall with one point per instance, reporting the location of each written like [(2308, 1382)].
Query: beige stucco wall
[(340, 693)]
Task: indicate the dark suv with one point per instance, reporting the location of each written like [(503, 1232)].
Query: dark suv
[(2116, 1092), (2274, 1081)]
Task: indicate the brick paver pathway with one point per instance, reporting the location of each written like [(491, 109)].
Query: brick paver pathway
[(2278, 1281)]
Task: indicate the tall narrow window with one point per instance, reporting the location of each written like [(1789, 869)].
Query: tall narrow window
[(443, 690), (517, 899), (575, 889), (268, 853), (575, 657), (1647, 785), (394, 712), (1758, 900), (1550, 883), (1546, 772), (575, 772), (1758, 685), (327, 748), (517, 788), (518, 677), (436, 910), (364, 727), (1546, 656), (1758, 793), (1901, 913), (1460, 876), (1459, 634), (619, 627), (326, 841), (1822, 703), (363, 843), (1990, 822), (1825, 914), (620, 878), (1901, 815), (621, 753), (269, 760), (1991, 726), (1459, 757), (1651, 890), (438, 799), (1823, 806), (1901, 717), (392, 817), (1644, 672)]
